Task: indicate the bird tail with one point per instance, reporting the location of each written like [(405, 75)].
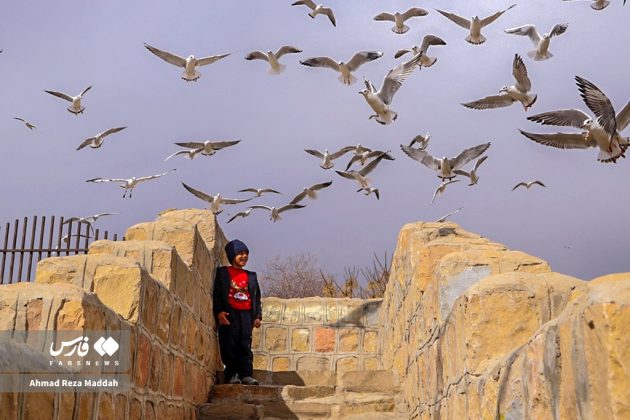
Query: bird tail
[(191, 78), (597, 6), (277, 70), (350, 80), (426, 61), (617, 151), (76, 111), (387, 118), (478, 40), (400, 30), (533, 54)]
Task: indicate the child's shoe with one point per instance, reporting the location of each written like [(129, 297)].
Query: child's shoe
[(248, 380), (234, 379)]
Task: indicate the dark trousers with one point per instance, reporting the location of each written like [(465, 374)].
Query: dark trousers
[(235, 342)]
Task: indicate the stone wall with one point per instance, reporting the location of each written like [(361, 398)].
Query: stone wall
[(157, 284), (318, 334), (478, 331)]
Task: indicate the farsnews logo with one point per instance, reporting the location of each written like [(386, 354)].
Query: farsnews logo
[(80, 347)]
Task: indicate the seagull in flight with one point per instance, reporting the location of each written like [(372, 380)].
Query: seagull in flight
[(447, 215), (540, 42), (88, 219), (528, 184), (363, 157), (509, 94), (242, 214), (445, 167), (208, 148), (442, 187), (370, 190), (275, 211), (97, 141), (26, 123), (400, 18), (380, 100), (190, 154), (345, 69), (361, 175), (260, 191), (130, 183), (310, 192), (327, 158), (189, 64), (76, 108), (427, 41), (474, 25), (215, 201), (600, 4), (423, 141), (272, 58), (472, 174), (317, 9)]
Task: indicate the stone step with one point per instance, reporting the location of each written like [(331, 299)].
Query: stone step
[(255, 394), (229, 411), (381, 381), (299, 378)]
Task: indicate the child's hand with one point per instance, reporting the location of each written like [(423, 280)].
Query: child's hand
[(257, 323), (223, 318)]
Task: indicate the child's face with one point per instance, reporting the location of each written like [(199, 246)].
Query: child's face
[(240, 259)]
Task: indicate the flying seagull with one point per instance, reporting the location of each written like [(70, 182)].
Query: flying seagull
[(423, 141), (370, 190), (189, 64), (528, 184), (97, 141), (447, 215), (509, 94), (66, 238), (600, 4), (474, 25), (26, 123), (275, 211), (130, 183), (442, 187), (259, 191), (208, 148), (445, 166), (242, 214), (76, 108), (400, 18), (345, 69), (272, 58), (360, 175), (380, 100), (310, 192), (472, 174), (190, 154), (88, 219), (363, 157), (215, 201), (326, 157), (540, 42), (317, 9), (427, 41)]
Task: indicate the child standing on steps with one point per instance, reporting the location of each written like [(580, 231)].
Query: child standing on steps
[(237, 308)]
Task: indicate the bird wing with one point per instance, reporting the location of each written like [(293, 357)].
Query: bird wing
[(461, 172), (148, 177), (461, 21), (180, 152), (260, 206), (561, 117), (468, 155), (623, 117), (191, 144), (421, 156), (309, 3), (526, 30), (287, 49), (561, 140), (290, 206), (352, 160), (402, 52), (85, 90), (519, 184), (395, 78), (19, 119), (321, 62), (341, 152), (85, 143), (370, 166), (270, 191), (321, 186), (167, 56), (479, 162), (71, 219), (329, 12), (488, 20), (519, 71), (106, 180), (298, 198), (96, 216), (59, 95), (429, 40), (316, 153), (112, 131), (346, 174), (199, 194), (222, 144), (256, 55), (385, 16), (490, 102), (239, 214), (443, 218), (361, 58), (234, 200), (210, 59), (254, 190), (558, 29), (414, 12), (538, 182), (599, 103)]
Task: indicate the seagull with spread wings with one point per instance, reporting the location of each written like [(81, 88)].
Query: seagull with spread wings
[(76, 108), (310, 192), (345, 69), (317, 9), (242, 214), (215, 201), (442, 187), (275, 211), (423, 141), (472, 175), (26, 123), (447, 215), (509, 94), (361, 175), (130, 183), (88, 219), (272, 58), (259, 191), (189, 64), (540, 42), (97, 141), (400, 18), (427, 41), (445, 167), (327, 158), (528, 184), (363, 157), (600, 4), (474, 25), (190, 153), (380, 100), (208, 147)]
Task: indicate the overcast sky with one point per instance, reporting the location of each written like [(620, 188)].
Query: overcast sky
[(579, 223)]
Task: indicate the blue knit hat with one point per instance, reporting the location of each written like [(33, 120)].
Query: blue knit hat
[(234, 247)]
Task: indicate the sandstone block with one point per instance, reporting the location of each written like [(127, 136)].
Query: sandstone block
[(280, 363), (300, 340), (292, 313), (276, 339), (370, 341), (272, 310), (348, 339), (261, 362), (325, 339), (313, 311), (105, 407), (345, 364), (315, 363)]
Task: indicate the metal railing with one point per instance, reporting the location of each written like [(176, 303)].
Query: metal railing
[(43, 242)]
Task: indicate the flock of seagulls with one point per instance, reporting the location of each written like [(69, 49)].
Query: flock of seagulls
[(603, 130)]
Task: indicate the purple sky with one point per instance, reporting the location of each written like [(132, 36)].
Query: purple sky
[(578, 223)]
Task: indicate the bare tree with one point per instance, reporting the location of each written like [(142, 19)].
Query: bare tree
[(376, 279), (292, 277)]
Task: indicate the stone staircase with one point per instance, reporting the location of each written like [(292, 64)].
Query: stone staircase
[(366, 395)]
